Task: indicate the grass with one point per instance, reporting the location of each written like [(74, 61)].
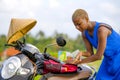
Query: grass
[(37, 77)]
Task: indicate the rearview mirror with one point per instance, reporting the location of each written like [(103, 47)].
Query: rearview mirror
[(61, 41)]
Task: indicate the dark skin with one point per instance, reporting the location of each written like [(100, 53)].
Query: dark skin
[(103, 33)]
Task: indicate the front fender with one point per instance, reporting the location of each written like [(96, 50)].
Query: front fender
[(0, 74)]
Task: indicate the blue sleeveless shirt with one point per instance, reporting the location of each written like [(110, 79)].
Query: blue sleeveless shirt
[(111, 62)]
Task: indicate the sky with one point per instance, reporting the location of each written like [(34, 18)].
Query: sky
[(55, 15)]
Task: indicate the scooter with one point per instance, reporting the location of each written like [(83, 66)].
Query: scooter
[(31, 62)]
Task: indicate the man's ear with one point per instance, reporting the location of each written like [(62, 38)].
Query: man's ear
[(86, 17)]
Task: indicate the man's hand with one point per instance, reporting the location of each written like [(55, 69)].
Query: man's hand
[(74, 61), (78, 56), (77, 59)]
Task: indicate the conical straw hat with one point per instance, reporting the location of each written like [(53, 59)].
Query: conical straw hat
[(18, 28)]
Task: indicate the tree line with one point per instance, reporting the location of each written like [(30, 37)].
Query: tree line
[(40, 40)]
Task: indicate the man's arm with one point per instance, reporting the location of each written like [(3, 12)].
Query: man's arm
[(89, 48), (103, 32)]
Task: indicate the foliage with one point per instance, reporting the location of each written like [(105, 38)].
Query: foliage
[(40, 41), (2, 42)]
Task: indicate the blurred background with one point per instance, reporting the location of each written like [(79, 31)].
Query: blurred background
[(54, 19), (55, 15)]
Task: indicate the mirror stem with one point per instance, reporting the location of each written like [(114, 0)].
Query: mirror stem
[(45, 50)]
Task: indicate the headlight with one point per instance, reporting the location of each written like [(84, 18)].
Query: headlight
[(10, 66)]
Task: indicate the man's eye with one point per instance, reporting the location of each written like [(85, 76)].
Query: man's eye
[(78, 24)]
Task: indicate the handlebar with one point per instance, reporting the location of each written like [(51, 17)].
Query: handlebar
[(9, 45), (54, 59), (47, 56)]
